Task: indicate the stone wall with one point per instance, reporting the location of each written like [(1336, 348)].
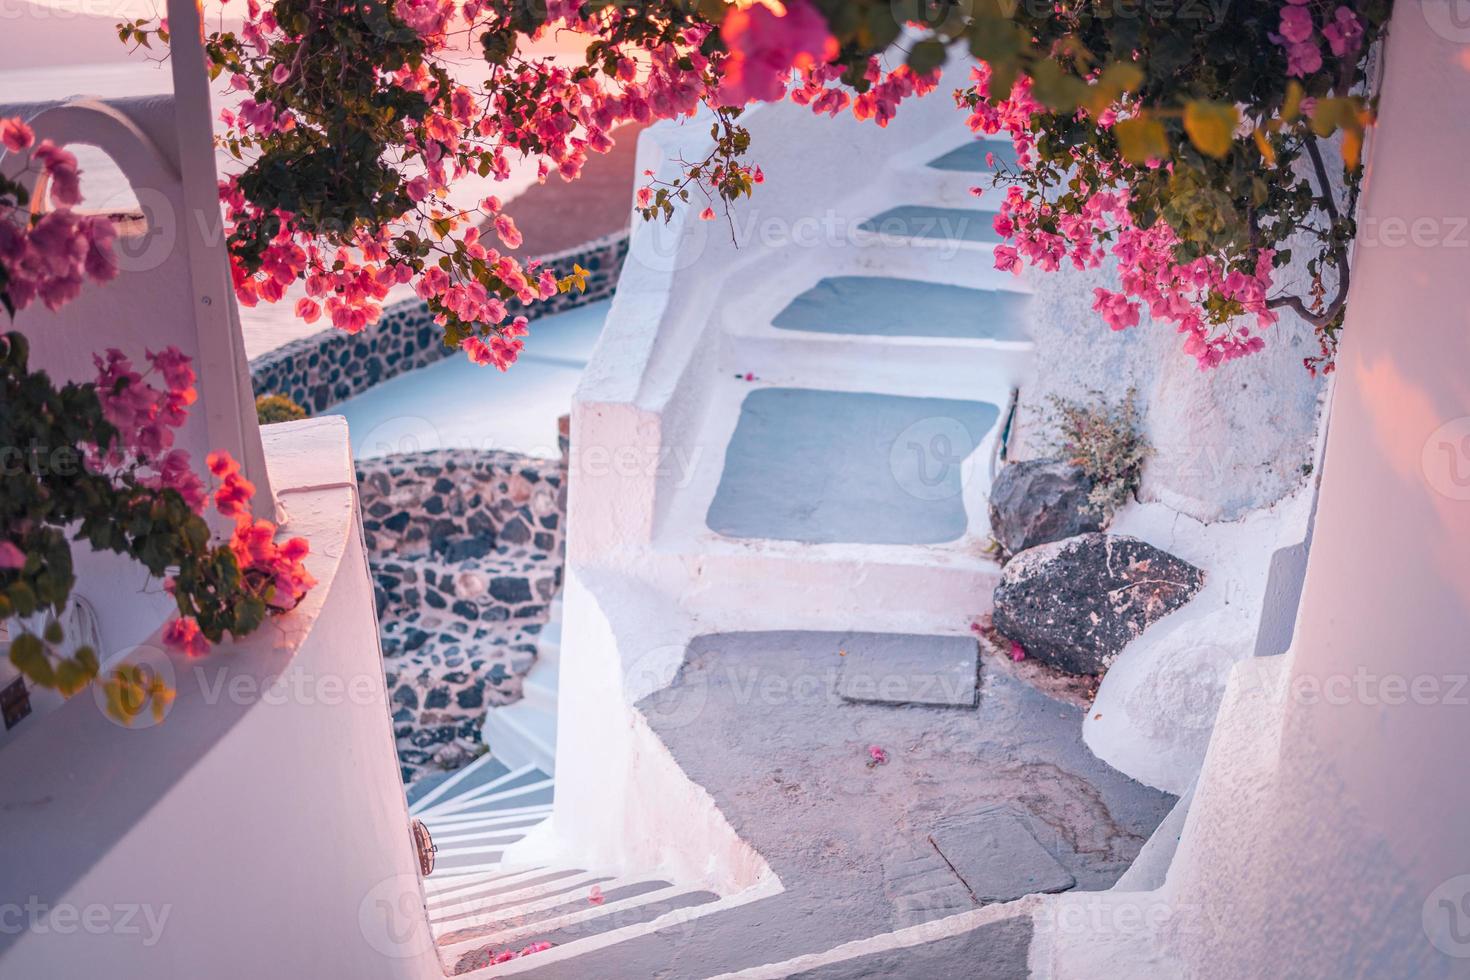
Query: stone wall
[(330, 366), (466, 549)]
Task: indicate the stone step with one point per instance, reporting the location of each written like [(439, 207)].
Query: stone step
[(458, 890), (893, 307), (532, 788), (576, 922), (466, 910), (970, 157), (432, 789), (928, 223), (510, 778), (819, 467), (524, 733)]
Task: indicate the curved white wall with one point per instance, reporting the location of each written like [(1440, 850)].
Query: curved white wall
[(1328, 834), (260, 830)]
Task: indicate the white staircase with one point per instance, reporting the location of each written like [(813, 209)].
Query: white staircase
[(485, 913), (615, 923)]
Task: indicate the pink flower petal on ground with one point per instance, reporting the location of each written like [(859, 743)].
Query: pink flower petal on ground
[(1018, 652), (876, 756), (595, 896)]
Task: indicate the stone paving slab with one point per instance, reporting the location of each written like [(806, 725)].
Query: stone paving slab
[(935, 224), (891, 307), (833, 466), (997, 856), (971, 157), (900, 669), (921, 886)]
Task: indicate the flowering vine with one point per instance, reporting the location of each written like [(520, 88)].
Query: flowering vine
[(96, 461), (1200, 182), (1168, 140), (101, 466)]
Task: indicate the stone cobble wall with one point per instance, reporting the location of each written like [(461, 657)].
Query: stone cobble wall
[(330, 366), (466, 549)]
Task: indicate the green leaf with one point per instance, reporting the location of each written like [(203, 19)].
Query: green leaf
[(927, 56), (1211, 126), (1141, 139), (28, 654)]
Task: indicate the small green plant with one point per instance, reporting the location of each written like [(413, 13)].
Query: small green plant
[(1105, 441), (277, 408)]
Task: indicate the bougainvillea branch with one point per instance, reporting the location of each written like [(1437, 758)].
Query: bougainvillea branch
[(1166, 136), (95, 461)]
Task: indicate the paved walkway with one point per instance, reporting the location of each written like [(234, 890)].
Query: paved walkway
[(975, 805)]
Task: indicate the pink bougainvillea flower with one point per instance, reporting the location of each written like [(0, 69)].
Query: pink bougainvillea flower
[(1296, 23), (16, 135), (308, 310), (61, 167), (232, 499), (595, 896), (184, 634), (1303, 59), (765, 46), (876, 756), (11, 556), (1345, 33), (708, 214), (506, 228), (1018, 652)]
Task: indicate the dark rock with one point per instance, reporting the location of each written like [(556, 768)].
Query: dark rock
[(437, 698), (466, 609), (1039, 501), (510, 589), (463, 549), (1075, 604), (515, 531), (397, 522)]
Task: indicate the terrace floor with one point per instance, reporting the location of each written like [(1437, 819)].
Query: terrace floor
[(979, 802)]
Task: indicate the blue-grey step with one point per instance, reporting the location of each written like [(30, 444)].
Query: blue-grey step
[(830, 466), (971, 157), (513, 883), (577, 901), (484, 770), (935, 224), (886, 306)]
